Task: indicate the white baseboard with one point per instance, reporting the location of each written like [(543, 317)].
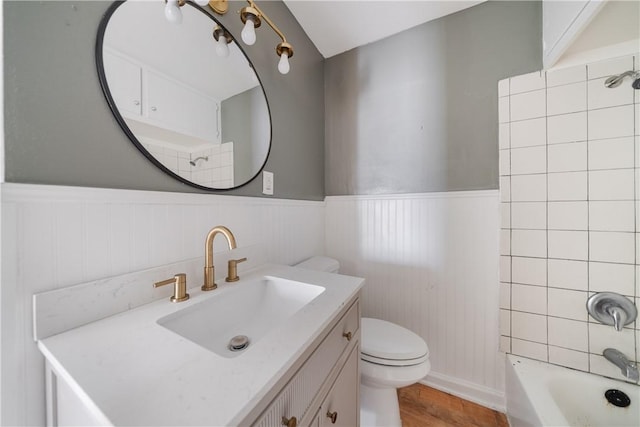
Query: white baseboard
[(484, 396)]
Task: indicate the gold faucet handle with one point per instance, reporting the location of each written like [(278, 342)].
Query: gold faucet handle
[(180, 287), (232, 275)]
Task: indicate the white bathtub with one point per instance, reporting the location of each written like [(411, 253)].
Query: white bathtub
[(539, 394)]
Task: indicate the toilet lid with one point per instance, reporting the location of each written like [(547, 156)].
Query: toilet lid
[(386, 343)]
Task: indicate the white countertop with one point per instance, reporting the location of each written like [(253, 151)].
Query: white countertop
[(135, 372)]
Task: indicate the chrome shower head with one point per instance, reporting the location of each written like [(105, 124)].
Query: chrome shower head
[(195, 161), (615, 81)]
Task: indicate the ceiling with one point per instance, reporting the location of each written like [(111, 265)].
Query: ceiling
[(335, 26)]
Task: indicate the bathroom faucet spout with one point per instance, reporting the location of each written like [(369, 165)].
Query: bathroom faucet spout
[(209, 269), (628, 369)]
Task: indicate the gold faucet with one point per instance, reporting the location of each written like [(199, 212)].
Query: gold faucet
[(209, 271)]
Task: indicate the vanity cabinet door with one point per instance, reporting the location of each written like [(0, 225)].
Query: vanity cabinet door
[(342, 405), (125, 83)]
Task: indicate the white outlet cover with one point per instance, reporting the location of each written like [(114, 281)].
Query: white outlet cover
[(267, 183)]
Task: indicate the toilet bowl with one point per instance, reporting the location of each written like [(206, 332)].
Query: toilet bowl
[(390, 357)]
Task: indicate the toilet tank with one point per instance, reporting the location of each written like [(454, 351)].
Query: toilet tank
[(320, 263)]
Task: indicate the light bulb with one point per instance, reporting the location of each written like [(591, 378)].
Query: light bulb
[(283, 64), (249, 32), (202, 2), (222, 49), (172, 12)]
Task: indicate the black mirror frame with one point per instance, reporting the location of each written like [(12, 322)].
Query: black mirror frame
[(123, 124)]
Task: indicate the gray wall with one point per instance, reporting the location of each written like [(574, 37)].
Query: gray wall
[(245, 122), (418, 112), (59, 129)]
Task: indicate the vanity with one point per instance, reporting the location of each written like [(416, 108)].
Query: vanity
[(165, 363)]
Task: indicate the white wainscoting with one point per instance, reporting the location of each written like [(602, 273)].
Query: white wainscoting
[(431, 264), (53, 237)]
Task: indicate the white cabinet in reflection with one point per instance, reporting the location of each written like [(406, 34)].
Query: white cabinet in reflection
[(125, 83)]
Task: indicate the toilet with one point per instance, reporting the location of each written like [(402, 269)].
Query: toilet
[(390, 357)]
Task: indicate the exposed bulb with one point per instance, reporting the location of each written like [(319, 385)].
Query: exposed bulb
[(202, 2), (283, 64), (172, 12), (248, 33), (222, 49)]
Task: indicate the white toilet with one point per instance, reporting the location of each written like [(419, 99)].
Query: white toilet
[(391, 357)]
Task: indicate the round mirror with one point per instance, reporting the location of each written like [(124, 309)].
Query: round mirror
[(194, 108)]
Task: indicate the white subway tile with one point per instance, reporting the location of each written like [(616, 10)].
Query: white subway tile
[(529, 188), (505, 215), (612, 216), (529, 349), (614, 122), (601, 96), (567, 186), (568, 274), (605, 336), (567, 128), (568, 333), (530, 327), (505, 295), (612, 247), (567, 304), (637, 287), (505, 344), (505, 322), (566, 75), (505, 162), (505, 188), (529, 243), (531, 215), (569, 157), (568, 215), (609, 67), (568, 245), (567, 99), (503, 87), (504, 135), (528, 105), (528, 133), (569, 358), (611, 184), (528, 160), (528, 82), (529, 271), (505, 269), (531, 299), (613, 153), (607, 277), (505, 242), (503, 109)]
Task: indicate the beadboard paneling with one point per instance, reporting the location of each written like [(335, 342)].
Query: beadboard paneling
[(54, 237), (431, 264)]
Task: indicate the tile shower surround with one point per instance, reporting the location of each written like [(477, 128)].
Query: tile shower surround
[(570, 217)]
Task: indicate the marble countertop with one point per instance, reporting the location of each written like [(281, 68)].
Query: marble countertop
[(132, 371)]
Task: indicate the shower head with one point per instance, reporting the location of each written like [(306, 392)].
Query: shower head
[(615, 81), (636, 84), (195, 161)]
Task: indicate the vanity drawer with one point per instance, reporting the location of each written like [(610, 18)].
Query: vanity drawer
[(296, 397)]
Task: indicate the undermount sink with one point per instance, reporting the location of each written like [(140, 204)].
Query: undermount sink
[(245, 312)]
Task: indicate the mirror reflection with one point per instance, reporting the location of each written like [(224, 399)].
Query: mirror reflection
[(200, 114)]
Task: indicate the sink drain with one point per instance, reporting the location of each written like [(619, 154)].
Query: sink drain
[(239, 343)]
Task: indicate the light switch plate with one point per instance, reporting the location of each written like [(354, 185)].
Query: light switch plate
[(267, 183)]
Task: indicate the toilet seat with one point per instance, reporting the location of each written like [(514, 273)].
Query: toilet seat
[(385, 343)]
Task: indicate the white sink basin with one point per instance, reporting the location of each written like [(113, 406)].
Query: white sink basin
[(250, 308)]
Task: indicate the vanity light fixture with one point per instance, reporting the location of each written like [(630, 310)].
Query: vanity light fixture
[(223, 39), (251, 17)]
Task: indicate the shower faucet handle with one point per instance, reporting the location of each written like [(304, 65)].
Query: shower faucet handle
[(610, 308), (232, 274)]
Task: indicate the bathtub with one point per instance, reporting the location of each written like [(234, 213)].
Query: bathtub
[(540, 394)]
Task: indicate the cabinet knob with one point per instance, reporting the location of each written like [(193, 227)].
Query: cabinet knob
[(347, 335), (136, 102), (333, 416), (291, 422), (154, 109)]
